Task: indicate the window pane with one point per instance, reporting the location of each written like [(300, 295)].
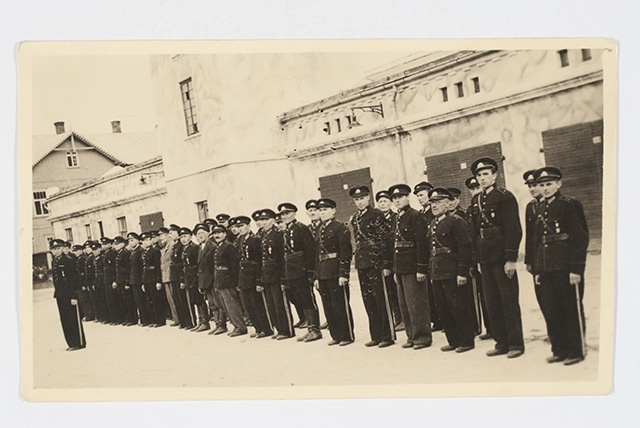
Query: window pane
[(38, 210)]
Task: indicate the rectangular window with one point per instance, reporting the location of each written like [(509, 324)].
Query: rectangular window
[(476, 84), (445, 94), (460, 89), (122, 226), (40, 203), (188, 103), (69, 234), (101, 228), (349, 120), (203, 210), (564, 57), (72, 159), (338, 125), (586, 54), (327, 128), (87, 230)]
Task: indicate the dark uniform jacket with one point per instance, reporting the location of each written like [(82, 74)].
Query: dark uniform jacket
[(314, 227), (110, 256), (227, 265), (272, 256), (371, 232), (427, 214), (176, 269), (333, 251), (98, 262), (562, 236), (250, 261), (65, 277), (151, 269), (531, 213), (190, 257), (90, 271), (460, 213), (299, 251), (410, 243), (135, 267), (80, 264), (450, 247), (123, 267), (205, 265), (496, 226)]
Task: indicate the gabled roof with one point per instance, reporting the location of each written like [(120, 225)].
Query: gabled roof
[(126, 148)]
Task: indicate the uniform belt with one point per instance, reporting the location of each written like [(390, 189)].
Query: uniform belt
[(547, 239), (248, 263), (490, 231), (404, 244), (327, 256), (441, 250), (293, 255), (222, 268)]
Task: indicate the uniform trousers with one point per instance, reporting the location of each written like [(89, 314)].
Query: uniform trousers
[(71, 320), (198, 310), (503, 307), (279, 309), (481, 300), (563, 312), (169, 288), (392, 292), (182, 306), (142, 305), (216, 307), (303, 294), (155, 300), (414, 306), (256, 309), (300, 311), (376, 302), (84, 298), (116, 313), (456, 315), (100, 302), (433, 310), (233, 308), (129, 311), (335, 301)]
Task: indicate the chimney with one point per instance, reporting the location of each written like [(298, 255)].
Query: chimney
[(59, 127), (115, 127)]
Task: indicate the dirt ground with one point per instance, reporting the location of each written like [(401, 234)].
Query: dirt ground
[(118, 356)]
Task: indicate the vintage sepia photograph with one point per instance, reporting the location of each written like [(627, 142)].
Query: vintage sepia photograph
[(317, 219)]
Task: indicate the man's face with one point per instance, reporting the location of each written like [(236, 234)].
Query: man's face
[(384, 204), (313, 214), (219, 236), (486, 178), (326, 213), (202, 235), (66, 250), (162, 237), (133, 242), (362, 201), (401, 201), (534, 189), (423, 197), (288, 216), (243, 229), (97, 251), (173, 235), (280, 225), (234, 230), (475, 190), (185, 238), (87, 250), (549, 188), (118, 246), (440, 206), (77, 252), (260, 223), (268, 223), (56, 251), (224, 223), (146, 242), (453, 204)]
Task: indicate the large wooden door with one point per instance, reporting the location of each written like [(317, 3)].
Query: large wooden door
[(337, 188)]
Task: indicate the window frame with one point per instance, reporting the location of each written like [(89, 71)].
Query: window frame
[(564, 57), (88, 231), (460, 89), (445, 94), (476, 84), (122, 221), (189, 107), (68, 231), (203, 210), (40, 204), (72, 155)]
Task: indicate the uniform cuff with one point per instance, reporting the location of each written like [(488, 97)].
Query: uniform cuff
[(511, 255)]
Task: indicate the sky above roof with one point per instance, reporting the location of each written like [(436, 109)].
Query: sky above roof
[(88, 92)]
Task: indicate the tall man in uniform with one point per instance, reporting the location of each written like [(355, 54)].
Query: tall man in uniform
[(314, 226), (271, 274), (166, 242), (450, 247), (111, 296), (135, 279), (127, 314), (333, 263), (176, 270), (299, 264), (198, 311), (562, 238), (152, 281), (65, 283), (370, 230), (384, 203), (85, 283), (531, 213), (410, 264), (98, 283), (206, 272), (421, 190), (497, 234)]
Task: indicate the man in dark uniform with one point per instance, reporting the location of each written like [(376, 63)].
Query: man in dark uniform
[(98, 283), (496, 236), (111, 296), (206, 273), (384, 203), (474, 273), (450, 247), (333, 263), (271, 274), (152, 281), (67, 248), (121, 285), (225, 280), (135, 279), (166, 242), (198, 311), (85, 295), (370, 230), (410, 264), (255, 216), (299, 264), (250, 262), (76, 252), (176, 270), (90, 278), (314, 220), (562, 239), (223, 220), (531, 213), (421, 190), (65, 283), (454, 203)]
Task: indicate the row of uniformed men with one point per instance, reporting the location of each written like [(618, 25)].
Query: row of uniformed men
[(280, 264)]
